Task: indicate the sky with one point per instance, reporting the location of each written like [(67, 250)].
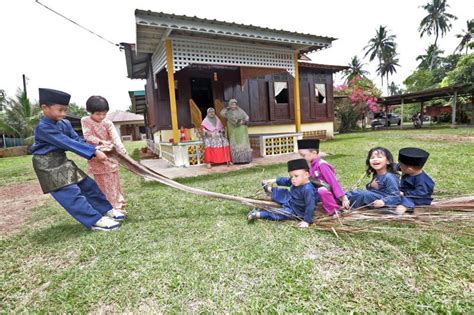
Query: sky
[(54, 53)]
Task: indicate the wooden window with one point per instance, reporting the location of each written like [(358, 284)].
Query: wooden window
[(320, 93), (281, 92)]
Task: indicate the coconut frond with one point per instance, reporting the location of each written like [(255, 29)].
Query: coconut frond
[(458, 210)]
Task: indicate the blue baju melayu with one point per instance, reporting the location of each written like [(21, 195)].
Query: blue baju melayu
[(388, 191), (417, 190), (297, 202), (70, 186)]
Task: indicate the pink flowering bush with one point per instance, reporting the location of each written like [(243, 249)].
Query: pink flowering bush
[(362, 96)]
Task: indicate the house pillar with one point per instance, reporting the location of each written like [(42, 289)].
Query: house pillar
[(171, 87), (453, 116), (296, 93), (401, 118)]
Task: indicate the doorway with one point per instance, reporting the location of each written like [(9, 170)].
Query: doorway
[(201, 93)]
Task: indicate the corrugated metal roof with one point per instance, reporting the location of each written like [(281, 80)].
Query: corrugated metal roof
[(152, 26)]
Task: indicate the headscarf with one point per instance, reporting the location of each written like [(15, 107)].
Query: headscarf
[(233, 116), (212, 123)]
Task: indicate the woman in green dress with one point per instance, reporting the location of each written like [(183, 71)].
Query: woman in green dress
[(237, 132)]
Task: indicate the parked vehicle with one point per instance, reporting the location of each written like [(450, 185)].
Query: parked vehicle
[(382, 121)]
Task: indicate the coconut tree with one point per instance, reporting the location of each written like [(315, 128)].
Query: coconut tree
[(355, 69), (394, 89), (382, 44), (431, 59), (466, 37), (388, 66), (20, 116), (437, 20)]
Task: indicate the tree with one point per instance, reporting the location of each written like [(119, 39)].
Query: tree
[(394, 89), (362, 96), (419, 80), (437, 20), (355, 69), (466, 37), (389, 62), (20, 117), (432, 58), (77, 110), (463, 73), (382, 44)]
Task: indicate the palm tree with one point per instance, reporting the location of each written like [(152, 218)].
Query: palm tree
[(466, 37), (20, 116), (355, 69), (382, 44), (394, 89), (432, 59), (389, 62), (437, 20)]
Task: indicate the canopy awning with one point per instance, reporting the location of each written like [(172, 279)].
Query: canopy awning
[(427, 95)]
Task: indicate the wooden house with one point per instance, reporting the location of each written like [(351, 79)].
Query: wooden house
[(191, 64)]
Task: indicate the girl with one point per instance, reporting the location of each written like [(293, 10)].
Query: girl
[(383, 190), (101, 132)]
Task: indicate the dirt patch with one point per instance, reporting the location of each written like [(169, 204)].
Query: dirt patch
[(16, 204), (450, 138)]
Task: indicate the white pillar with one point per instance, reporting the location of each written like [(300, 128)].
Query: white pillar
[(453, 115)]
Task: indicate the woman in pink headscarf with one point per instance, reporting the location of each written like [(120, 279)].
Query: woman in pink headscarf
[(216, 144)]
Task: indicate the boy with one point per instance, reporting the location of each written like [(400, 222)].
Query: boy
[(297, 203), (323, 175), (416, 187), (59, 176)]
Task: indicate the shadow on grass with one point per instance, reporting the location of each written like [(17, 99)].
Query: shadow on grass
[(59, 233)]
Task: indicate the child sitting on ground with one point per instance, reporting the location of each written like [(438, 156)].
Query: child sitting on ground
[(297, 203), (101, 132), (382, 191), (416, 187), (323, 175)]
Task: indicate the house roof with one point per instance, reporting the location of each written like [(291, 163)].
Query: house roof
[(138, 99), (136, 62), (153, 27), (331, 68), (119, 116)]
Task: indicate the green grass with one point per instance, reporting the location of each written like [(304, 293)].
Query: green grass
[(183, 253)]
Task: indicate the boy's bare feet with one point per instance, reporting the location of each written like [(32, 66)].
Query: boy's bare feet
[(401, 209), (379, 203)]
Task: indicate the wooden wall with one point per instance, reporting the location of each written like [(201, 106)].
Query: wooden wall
[(256, 98)]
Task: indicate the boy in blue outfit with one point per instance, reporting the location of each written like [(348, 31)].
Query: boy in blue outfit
[(70, 186), (297, 203), (416, 187)]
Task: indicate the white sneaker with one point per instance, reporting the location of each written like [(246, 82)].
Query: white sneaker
[(115, 214), (105, 224)]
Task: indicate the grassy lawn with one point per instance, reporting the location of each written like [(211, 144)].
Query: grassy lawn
[(183, 253)]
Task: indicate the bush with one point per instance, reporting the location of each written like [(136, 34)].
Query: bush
[(347, 115)]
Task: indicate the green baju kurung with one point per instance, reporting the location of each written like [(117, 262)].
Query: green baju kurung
[(237, 131)]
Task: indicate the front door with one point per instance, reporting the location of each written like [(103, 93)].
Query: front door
[(201, 93)]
